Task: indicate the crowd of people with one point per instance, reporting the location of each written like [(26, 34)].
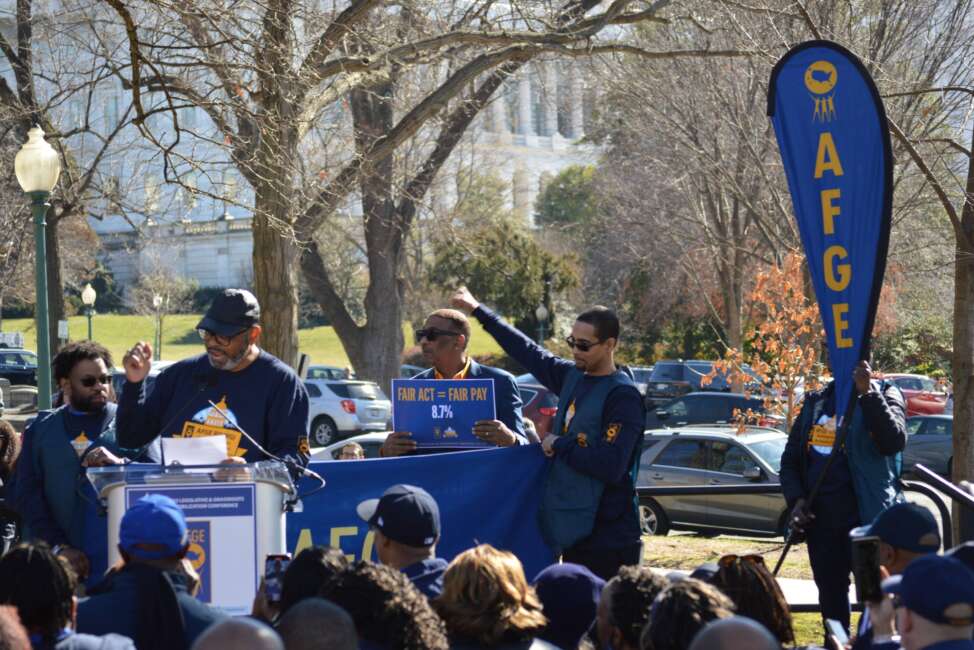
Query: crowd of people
[(600, 594)]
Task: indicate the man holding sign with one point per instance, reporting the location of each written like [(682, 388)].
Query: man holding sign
[(444, 338), (588, 510)]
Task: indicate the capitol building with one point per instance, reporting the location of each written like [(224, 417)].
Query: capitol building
[(533, 127)]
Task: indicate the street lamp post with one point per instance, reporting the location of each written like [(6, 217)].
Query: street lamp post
[(157, 305), (541, 314), (38, 166), (88, 297)]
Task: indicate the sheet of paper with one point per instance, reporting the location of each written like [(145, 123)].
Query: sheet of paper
[(206, 450)]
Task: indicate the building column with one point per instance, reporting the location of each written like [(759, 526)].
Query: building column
[(521, 191), (525, 120), (550, 98), (498, 112), (575, 110)]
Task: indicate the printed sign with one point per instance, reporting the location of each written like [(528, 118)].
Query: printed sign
[(442, 412), (221, 517), (834, 140), (199, 552)]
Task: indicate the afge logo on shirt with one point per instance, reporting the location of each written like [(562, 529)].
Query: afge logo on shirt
[(210, 422)]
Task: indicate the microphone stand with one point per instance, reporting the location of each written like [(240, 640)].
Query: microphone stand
[(292, 466)]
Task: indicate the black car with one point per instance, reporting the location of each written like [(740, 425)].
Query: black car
[(707, 408), (671, 379), (19, 366)]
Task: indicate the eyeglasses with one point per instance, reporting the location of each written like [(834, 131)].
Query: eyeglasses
[(432, 334), (583, 345), (219, 338), (90, 381), (731, 559)]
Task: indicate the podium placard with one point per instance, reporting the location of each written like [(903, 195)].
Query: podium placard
[(235, 518)]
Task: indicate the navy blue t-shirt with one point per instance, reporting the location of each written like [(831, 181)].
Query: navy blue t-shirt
[(266, 398)]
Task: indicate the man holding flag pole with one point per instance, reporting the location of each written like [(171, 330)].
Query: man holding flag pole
[(841, 465)]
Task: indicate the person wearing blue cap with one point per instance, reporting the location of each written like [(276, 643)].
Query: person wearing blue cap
[(906, 531), (406, 522), (932, 604), (255, 389), (569, 595), (148, 598)]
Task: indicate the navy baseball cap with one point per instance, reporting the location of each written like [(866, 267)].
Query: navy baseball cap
[(904, 525), (570, 596), (406, 514), (964, 552), (940, 589), (153, 528), (233, 311)]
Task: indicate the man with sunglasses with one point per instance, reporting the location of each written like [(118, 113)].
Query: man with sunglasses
[(588, 511), (253, 389), (60, 442), (444, 338)]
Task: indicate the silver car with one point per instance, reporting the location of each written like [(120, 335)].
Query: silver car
[(930, 442), (341, 408), (712, 455)]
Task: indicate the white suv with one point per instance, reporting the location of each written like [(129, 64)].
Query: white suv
[(337, 409)]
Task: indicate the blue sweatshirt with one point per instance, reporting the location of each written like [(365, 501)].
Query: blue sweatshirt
[(617, 520), (266, 398)]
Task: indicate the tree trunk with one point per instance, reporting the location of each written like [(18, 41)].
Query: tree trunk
[(55, 282), (963, 358), (275, 260)]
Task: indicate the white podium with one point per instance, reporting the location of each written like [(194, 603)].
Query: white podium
[(235, 516)]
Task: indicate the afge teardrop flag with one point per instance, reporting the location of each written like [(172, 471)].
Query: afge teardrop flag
[(831, 129)]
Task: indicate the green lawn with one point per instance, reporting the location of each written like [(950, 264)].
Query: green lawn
[(179, 340)]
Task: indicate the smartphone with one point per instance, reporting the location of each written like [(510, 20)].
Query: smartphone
[(274, 567), (838, 639), (865, 568)]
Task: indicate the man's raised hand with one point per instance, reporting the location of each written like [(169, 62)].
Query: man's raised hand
[(137, 362), (463, 300)]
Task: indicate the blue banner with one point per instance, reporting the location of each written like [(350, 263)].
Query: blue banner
[(485, 496), (442, 412), (834, 141)]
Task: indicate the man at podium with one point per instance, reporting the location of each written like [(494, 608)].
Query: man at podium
[(254, 390)]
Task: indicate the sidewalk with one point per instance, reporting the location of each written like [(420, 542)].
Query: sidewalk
[(797, 592)]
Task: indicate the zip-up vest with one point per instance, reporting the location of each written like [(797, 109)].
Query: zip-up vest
[(571, 499)]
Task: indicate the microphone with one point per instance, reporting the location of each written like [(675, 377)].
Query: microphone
[(206, 380), (290, 464)]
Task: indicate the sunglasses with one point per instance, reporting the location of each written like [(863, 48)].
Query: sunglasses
[(90, 381), (584, 346), (206, 334), (731, 559), (432, 334)]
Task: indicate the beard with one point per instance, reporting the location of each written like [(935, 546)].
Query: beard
[(231, 362), (88, 404)]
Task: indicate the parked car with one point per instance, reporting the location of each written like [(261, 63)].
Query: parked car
[(329, 372), (920, 392), (929, 441), (709, 408), (641, 375), (371, 442), (19, 367), (712, 456), (408, 371), (338, 409), (671, 379), (539, 405)]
